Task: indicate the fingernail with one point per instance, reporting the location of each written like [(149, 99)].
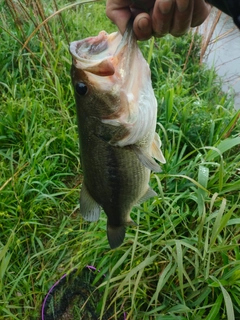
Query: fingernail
[(182, 5), (143, 24), (165, 6)]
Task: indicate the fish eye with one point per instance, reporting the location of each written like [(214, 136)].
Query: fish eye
[(81, 88)]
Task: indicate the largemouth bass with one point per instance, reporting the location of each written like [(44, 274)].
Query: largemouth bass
[(116, 111)]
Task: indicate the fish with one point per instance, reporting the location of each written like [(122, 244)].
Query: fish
[(116, 114)]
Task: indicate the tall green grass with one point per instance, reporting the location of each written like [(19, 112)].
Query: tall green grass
[(183, 260)]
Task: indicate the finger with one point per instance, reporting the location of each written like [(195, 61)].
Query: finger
[(200, 12), (142, 26), (119, 14), (182, 18), (162, 16), (183, 5)]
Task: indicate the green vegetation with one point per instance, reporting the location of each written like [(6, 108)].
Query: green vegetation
[(183, 261)]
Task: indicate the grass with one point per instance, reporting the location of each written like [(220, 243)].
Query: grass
[(183, 261)]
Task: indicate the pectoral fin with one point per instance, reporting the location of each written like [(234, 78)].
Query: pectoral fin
[(89, 208), (156, 151), (146, 159)]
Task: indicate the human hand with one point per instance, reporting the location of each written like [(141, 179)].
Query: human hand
[(157, 17)]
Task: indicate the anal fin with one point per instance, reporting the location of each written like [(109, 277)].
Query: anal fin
[(89, 208), (149, 194)]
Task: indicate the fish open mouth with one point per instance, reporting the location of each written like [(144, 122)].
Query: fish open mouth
[(96, 48), (95, 54), (87, 49), (98, 55)]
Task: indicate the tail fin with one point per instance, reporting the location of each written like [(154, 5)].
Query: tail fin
[(115, 235)]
